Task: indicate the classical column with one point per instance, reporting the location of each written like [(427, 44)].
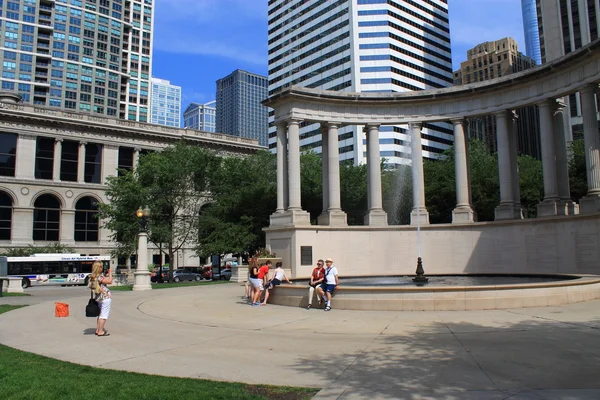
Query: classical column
[(548, 206), (294, 165), (514, 163), (110, 161), (281, 166), (81, 163), (324, 174), (333, 216), (463, 212), (590, 203), (57, 159), (25, 163), (419, 214), (136, 158), (293, 215), (566, 206), (375, 216), (507, 208)]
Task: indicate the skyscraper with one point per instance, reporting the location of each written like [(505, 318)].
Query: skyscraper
[(564, 26), (165, 108), (490, 60), (239, 108), (201, 116), (91, 56), (531, 31), (362, 46)]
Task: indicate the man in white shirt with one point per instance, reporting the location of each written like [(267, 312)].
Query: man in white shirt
[(328, 286)]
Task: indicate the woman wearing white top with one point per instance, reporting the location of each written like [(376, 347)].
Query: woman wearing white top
[(277, 279)]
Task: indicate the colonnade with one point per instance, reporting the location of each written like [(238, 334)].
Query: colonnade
[(556, 200)]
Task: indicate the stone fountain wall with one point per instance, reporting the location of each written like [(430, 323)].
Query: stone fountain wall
[(537, 246)]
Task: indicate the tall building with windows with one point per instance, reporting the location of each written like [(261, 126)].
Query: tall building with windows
[(165, 107), (201, 117), (491, 60), (81, 55), (239, 108), (362, 46), (565, 26), (531, 31)]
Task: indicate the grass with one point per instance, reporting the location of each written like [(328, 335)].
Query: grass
[(169, 285), (29, 376), (6, 308), (15, 294)]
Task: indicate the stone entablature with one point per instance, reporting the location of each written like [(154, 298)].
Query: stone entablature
[(40, 121), (558, 78)]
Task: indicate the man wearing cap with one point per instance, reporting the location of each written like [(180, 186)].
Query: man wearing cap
[(329, 284)]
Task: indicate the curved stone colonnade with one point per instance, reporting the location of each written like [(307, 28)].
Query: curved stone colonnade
[(542, 86)]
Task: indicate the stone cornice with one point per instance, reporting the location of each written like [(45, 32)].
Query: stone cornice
[(558, 78), (26, 118)]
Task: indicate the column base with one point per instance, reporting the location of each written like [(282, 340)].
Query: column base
[(421, 219), (548, 208), (376, 218), (508, 211), (12, 285), (590, 204), (463, 215), (290, 218), (142, 280), (239, 273), (333, 218)]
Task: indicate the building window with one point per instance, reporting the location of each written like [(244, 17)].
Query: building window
[(68, 161), (125, 159), (8, 154), (46, 218), (86, 220), (44, 158), (93, 163), (6, 205)]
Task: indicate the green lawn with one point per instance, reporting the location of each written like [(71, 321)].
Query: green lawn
[(170, 285), (15, 294), (31, 377)]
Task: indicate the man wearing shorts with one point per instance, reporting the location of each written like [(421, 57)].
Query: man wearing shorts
[(263, 275), (331, 282)]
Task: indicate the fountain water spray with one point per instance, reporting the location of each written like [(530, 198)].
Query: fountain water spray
[(420, 278)]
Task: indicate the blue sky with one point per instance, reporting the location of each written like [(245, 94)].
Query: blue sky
[(197, 42)]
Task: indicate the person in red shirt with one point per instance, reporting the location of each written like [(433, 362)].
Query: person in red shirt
[(263, 278), (318, 277)]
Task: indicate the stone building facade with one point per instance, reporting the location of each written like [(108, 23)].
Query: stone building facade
[(54, 167)]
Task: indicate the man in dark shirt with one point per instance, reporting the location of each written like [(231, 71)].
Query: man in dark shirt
[(317, 277)]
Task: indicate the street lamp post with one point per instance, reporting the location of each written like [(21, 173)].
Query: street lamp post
[(141, 274)]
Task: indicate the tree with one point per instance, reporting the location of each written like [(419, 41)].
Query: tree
[(54, 248), (353, 192), (173, 184), (531, 183)]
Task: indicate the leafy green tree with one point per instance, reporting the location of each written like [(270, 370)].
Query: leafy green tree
[(440, 187), (353, 192), (531, 183), (243, 196), (485, 187), (173, 184), (311, 184), (577, 170)]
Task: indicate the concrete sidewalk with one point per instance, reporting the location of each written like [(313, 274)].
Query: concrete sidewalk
[(209, 332)]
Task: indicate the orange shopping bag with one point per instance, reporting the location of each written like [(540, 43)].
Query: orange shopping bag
[(61, 310)]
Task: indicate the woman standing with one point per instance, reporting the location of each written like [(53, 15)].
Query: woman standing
[(254, 281), (98, 283)]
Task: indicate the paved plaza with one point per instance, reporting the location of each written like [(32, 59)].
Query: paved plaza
[(209, 332)]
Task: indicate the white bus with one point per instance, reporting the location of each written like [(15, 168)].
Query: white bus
[(53, 269)]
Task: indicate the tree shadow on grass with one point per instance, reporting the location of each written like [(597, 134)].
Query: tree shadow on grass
[(463, 360)]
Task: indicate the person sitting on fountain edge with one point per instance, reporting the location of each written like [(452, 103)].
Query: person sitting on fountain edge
[(331, 282)]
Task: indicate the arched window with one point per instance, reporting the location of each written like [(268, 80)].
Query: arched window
[(5, 216), (46, 218), (86, 220)]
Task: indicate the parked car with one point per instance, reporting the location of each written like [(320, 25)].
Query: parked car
[(205, 272), (180, 275), (224, 274)]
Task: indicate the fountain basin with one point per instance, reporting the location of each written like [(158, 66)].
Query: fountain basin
[(549, 290)]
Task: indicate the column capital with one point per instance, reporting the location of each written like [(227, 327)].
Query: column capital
[(456, 121), (138, 149), (415, 125), (58, 140), (370, 127), (589, 88), (82, 143), (558, 106), (293, 121), (545, 103), (502, 113)]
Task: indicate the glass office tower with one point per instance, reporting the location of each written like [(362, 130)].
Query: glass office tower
[(362, 46), (201, 116), (239, 108), (81, 55), (165, 108), (530, 27)]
